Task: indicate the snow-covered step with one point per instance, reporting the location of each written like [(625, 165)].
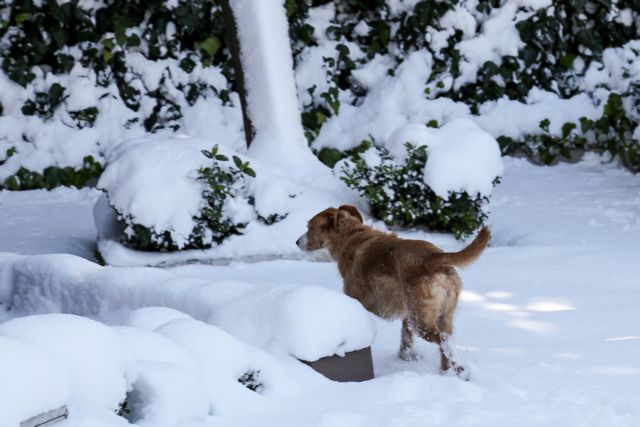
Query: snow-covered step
[(47, 419)]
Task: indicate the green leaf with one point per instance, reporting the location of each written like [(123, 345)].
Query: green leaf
[(21, 17), (613, 107), (59, 36), (133, 40), (210, 45), (55, 94), (108, 43), (330, 156), (586, 124), (544, 125), (567, 61), (237, 162), (106, 55), (567, 128)]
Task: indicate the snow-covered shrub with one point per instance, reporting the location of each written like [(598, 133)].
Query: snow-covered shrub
[(226, 198), (439, 178), (398, 195)]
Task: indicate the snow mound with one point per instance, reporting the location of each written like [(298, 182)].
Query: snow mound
[(151, 318), (32, 382), (150, 346), (308, 322), (461, 156), (309, 328), (99, 365), (221, 359), (165, 395)]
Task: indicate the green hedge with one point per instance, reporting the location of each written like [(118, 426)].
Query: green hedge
[(49, 38), (560, 44), (53, 38)]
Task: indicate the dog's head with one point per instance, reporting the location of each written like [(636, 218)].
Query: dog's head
[(321, 226)]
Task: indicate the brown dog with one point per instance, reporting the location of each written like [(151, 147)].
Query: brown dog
[(396, 278)]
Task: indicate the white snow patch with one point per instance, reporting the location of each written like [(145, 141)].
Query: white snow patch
[(32, 382), (166, 395), (100, 367), (151, 318), (147, 345)]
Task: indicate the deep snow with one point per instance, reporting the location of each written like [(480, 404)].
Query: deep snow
[(548, 323)]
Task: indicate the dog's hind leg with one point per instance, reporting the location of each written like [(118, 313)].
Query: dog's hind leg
[(407, 353), (434, 323)]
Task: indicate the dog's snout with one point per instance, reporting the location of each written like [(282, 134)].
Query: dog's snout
[(302, 242)]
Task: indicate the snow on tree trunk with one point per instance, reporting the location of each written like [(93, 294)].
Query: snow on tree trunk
[(265, 55)]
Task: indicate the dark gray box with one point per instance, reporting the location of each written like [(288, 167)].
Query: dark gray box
[(353, 366)]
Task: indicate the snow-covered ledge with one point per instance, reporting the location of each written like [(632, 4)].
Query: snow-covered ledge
[(306, 322)]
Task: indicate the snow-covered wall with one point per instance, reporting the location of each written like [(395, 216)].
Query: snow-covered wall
[(306, 322)]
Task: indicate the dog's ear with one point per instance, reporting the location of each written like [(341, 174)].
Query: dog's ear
[(352, 211), (340, 217)]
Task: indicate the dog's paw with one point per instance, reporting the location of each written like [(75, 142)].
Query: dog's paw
[(458, 371), (409, 355)]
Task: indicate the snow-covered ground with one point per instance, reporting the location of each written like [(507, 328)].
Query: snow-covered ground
[(548, 323)]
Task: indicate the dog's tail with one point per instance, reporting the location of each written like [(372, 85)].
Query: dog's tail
[(467, 255)]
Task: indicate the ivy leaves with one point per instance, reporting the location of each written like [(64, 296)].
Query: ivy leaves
[(243, 167)]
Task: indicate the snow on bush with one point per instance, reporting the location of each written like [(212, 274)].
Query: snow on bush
[(462, 158), (186, 193), (33, 382), (439, 178), (97, 362)]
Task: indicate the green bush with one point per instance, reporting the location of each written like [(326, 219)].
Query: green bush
[(42, 45), (45, 46), (397, 194), (53, 176), (560, 42)]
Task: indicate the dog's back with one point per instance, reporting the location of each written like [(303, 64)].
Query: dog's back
[(380, 269)]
